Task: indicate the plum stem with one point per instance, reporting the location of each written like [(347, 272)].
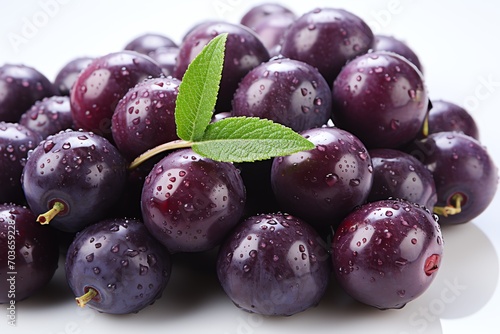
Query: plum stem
[(453, 209), (425, 126), (87, 297), (46, 217), (159, 149)]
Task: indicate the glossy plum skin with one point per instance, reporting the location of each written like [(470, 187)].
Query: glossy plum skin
[(243, 52), (460, 165), (324, 184), (31, 250), (271, 30), (103, 83), (286, 91), (387, 253), (398, 174), (393, 44), (122, 261), (20, 87), (189, 203), (166, 57), (48, 116), (15, 142), (274, 264), (67, 75), (144, 117), (255, 15), (79, 169), (448, 116), (149, 42), (381, 98), (327, 38)]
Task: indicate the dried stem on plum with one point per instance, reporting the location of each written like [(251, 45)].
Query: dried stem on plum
[(46, 217), (87, 297), (453, 209)]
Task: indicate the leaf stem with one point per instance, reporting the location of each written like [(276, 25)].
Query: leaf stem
[(159, 149)]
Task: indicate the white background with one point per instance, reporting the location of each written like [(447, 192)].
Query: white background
[(457, 42)]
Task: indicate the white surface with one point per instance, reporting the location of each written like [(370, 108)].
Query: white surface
[(457, 44)]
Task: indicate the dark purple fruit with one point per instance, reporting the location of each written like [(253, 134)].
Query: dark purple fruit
[(166, 58), (465, 175), (48, 116), (258, 13), (67, 75), (29, 254), (72, 178), (103, 83), (381, 98), (274, 264), (190, 203), (387, 253), (144, 117), (271, 30), (286, 91), (149, 42), (327, 38), (393, 44), (323, 185), (447, 116), (20, 87), (400, 175), (15, 142), (115, 266), (243, 52)]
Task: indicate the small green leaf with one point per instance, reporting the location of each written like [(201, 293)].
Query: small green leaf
[(198, 90), (240, 139)]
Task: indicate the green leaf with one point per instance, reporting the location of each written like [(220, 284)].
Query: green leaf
[(239, 139), (198, 90)]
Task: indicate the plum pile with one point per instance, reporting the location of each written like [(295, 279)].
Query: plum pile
[(390, 166)]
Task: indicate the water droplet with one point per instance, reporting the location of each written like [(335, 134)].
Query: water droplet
[(151, 259), (143, 270), (98, 245), (331, 179), (389, 213), (90, 257), (394, 124), (304, 91), (414, 241), (111, 286), (48, 145), (115, 248), (131, 253), (412, 94), (96, 270), (354, 182), (401, 293), (253, 253), (66, 146), (246, 268)]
